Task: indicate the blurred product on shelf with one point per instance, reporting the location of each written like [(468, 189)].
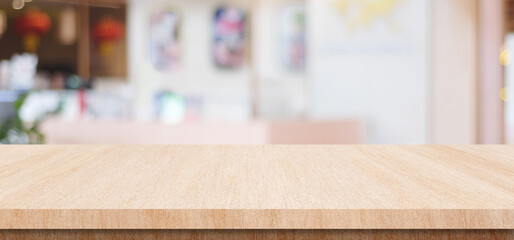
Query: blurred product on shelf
[(23, 70), (194, 106), (109, 104), (57, 81), (5, 69), (78, 104), (171, 108), (118, 104)]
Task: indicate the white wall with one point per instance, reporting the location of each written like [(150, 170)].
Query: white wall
[(281, 90), (375, 73), (454, 76), (404, 82), (491, 39), (198, 74)]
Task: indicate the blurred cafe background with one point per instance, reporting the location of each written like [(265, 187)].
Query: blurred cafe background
[(256, 71)]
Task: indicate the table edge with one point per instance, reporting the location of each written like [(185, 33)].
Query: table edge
[(256, 219)]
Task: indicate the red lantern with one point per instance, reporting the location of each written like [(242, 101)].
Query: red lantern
[(107, 32), (31, 25)]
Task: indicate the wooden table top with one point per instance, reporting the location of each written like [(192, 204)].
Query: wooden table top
[(256, 187)]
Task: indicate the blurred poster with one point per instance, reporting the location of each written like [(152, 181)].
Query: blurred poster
[(229, 37), (164, 43), (292, 24), (371, 26)]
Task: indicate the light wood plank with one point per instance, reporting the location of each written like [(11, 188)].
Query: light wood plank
[(256, 234), (256, 187)]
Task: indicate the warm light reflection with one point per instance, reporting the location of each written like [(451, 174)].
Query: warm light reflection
[(18, 4), (3, 22), (504, 94), (505, 57)]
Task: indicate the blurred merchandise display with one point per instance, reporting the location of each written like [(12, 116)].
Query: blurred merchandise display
[(164, 40), (69, 49), (32, 25), (41, 81), (20, 73), (77, 104), (23, 70), (75, 82), (293, 34), (109, 104), (229, 37), (57, 81)]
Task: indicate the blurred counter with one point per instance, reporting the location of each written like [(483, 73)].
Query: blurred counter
[(258, 132)]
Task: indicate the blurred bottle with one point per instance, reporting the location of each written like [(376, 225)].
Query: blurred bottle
[(4, 74), (23, 70)]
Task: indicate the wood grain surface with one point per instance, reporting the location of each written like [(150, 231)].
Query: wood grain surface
[(257, 187), (256, 234)]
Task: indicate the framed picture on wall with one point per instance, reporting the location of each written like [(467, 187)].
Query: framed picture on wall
[(293, 36), (164, 40), (229, 37)]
